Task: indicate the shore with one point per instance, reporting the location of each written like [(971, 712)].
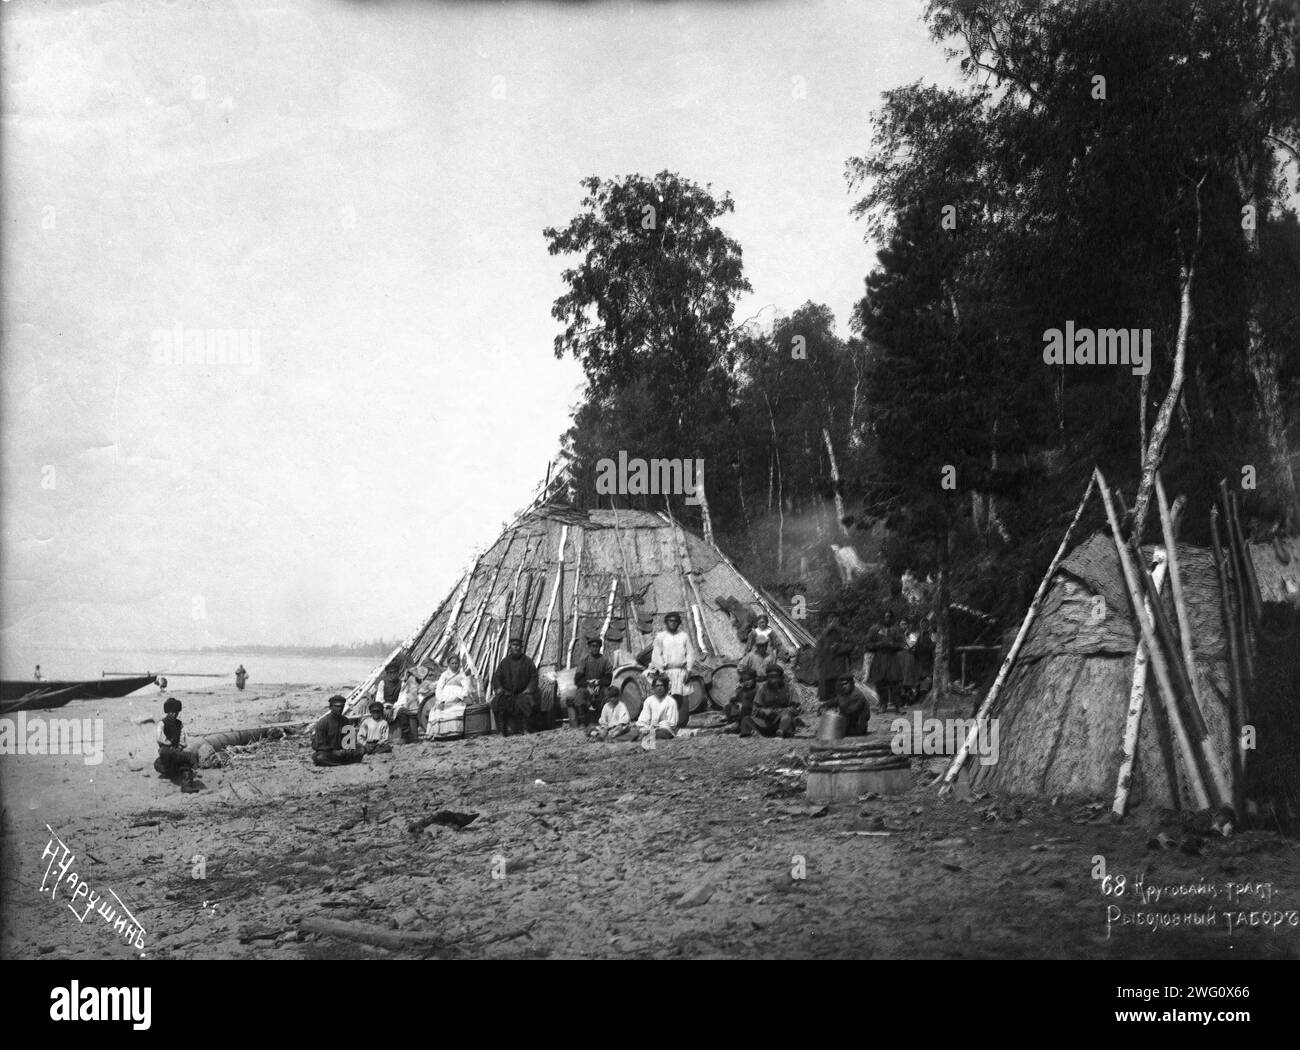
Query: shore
[(704, 847)]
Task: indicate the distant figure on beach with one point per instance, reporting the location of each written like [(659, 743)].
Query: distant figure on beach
[(514, 689), (333, 742), (373, 734), (241, 676), (38, 672), (175, 761)]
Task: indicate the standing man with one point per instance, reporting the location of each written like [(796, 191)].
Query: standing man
[(594, 675), (334, 740), (834, 657), (514, 689), (671, 657), (38, 672), (776, 709), (241, 676)]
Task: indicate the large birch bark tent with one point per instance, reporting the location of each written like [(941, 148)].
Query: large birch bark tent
[(1065, 705), (557, 575)]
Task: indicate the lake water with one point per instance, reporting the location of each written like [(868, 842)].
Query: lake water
[(263, 670)]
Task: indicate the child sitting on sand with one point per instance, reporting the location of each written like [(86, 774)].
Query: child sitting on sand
[(174, 760), (614, 722), (373, 734)]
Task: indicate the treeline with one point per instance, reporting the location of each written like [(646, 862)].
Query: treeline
[(1107, 168), (377, 648)]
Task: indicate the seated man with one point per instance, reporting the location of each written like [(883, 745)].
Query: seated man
[(514, 689), (373, 734), (755, 661), (776, 708), (615, 722), (852, 703), (406, 705), (592, 678), (658, 713), (333, 742), (742, 702), (175, 761)]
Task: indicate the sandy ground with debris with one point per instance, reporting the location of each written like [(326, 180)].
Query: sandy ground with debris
[(705, 847)]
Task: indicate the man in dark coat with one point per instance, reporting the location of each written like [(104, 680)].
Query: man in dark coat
[(334, 740), (594, 675), (514, 689), (834, 657), (776, 708), (852, 703)]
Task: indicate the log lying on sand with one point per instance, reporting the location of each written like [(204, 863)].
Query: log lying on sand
[(205, 748), (393, 940)]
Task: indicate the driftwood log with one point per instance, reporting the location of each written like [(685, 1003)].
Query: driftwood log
[(393, 940)]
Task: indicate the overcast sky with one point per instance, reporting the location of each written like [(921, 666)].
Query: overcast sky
[(360, 188)]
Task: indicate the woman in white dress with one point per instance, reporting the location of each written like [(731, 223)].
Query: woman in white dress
[(451, 696)]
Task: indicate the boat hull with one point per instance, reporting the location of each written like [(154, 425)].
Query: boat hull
[(25, 696)]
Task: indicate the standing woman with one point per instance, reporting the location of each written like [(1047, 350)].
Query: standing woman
[(906, 658), (880, 670)]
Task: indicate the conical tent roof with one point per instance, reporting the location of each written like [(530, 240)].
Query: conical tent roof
[(1062, 714), (558, 575)]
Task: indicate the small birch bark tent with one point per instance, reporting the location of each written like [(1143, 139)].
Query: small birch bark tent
[(1063, 709), (558, 575)]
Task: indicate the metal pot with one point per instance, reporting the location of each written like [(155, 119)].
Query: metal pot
[(830, 726)]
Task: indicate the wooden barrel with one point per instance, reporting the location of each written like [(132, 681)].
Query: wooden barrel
[(478, 720), (632, 690), (565, 686), (446, 724), (697, 696), (723, 684)]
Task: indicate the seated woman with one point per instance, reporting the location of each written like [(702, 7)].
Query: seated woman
[(453, 693), (762, 631), (614, 723)]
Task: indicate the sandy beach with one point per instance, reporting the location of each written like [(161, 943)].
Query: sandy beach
[(705, 847)]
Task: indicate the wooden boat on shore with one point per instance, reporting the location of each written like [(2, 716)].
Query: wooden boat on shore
[(18, 695)]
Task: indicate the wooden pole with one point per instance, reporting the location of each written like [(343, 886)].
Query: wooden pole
[(629, 614), (1222, 781), (1158, 664), (1169, 647), (1230, 623), (1136, 700), (1030, 614), (1250, 582), (609, 608), (577, 582), (550, 607)]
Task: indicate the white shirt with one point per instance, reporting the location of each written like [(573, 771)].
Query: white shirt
[(658, 713), (453, 687), (614, 714), (373, 731), (671, 649)]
